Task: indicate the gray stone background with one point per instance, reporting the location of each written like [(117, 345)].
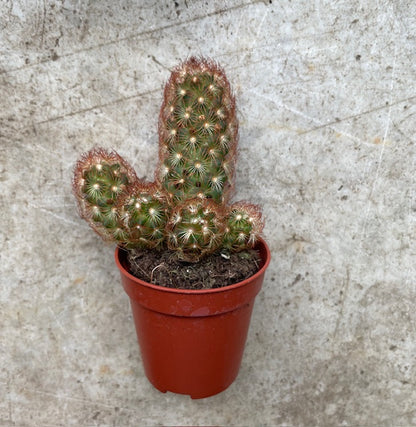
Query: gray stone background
[(326, 101)]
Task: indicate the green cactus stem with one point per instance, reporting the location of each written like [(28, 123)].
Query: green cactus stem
[(195, 228), (101, 177), (243, 226), (198, 132), (144, 213)]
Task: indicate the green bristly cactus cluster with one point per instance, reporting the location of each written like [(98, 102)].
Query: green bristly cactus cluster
[(186, 209)]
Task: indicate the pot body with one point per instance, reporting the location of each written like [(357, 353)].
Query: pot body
[(192, 341)]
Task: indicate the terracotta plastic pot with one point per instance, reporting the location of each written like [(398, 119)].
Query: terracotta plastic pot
[(192, 341)]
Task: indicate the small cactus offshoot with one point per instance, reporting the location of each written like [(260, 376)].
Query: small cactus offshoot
[(196, 228), (101, 178), (144, 212), (243, 226), (186, 208)]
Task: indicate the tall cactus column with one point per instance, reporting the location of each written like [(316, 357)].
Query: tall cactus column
[(198, 132)]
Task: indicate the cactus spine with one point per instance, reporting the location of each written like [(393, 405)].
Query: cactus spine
[(185, 209)]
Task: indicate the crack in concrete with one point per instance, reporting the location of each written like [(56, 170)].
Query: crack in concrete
[(95, 107), (341, 311), (141, 34), (354, 116)]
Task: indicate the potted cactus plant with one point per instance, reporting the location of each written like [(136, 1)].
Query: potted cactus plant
[(191, 340)]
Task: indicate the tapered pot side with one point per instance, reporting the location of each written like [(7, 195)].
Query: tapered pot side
[(192, 341)]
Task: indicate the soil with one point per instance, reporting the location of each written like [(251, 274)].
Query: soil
[(214, 271)]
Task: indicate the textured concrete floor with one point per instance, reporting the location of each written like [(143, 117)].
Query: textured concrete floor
[(326, 100)]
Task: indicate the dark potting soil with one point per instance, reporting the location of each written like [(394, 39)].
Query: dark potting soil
[(214, 271)]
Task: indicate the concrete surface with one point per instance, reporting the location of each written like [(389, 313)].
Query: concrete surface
[(326, 96)]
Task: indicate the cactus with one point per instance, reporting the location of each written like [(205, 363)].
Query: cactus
[(144, 212), (197, 133), (196, 228), (243, 226), (100, 179), (186, 208)]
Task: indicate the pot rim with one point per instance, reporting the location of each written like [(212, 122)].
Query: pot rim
[(125, 272)]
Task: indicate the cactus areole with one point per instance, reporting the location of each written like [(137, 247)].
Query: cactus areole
[(186, 211)]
